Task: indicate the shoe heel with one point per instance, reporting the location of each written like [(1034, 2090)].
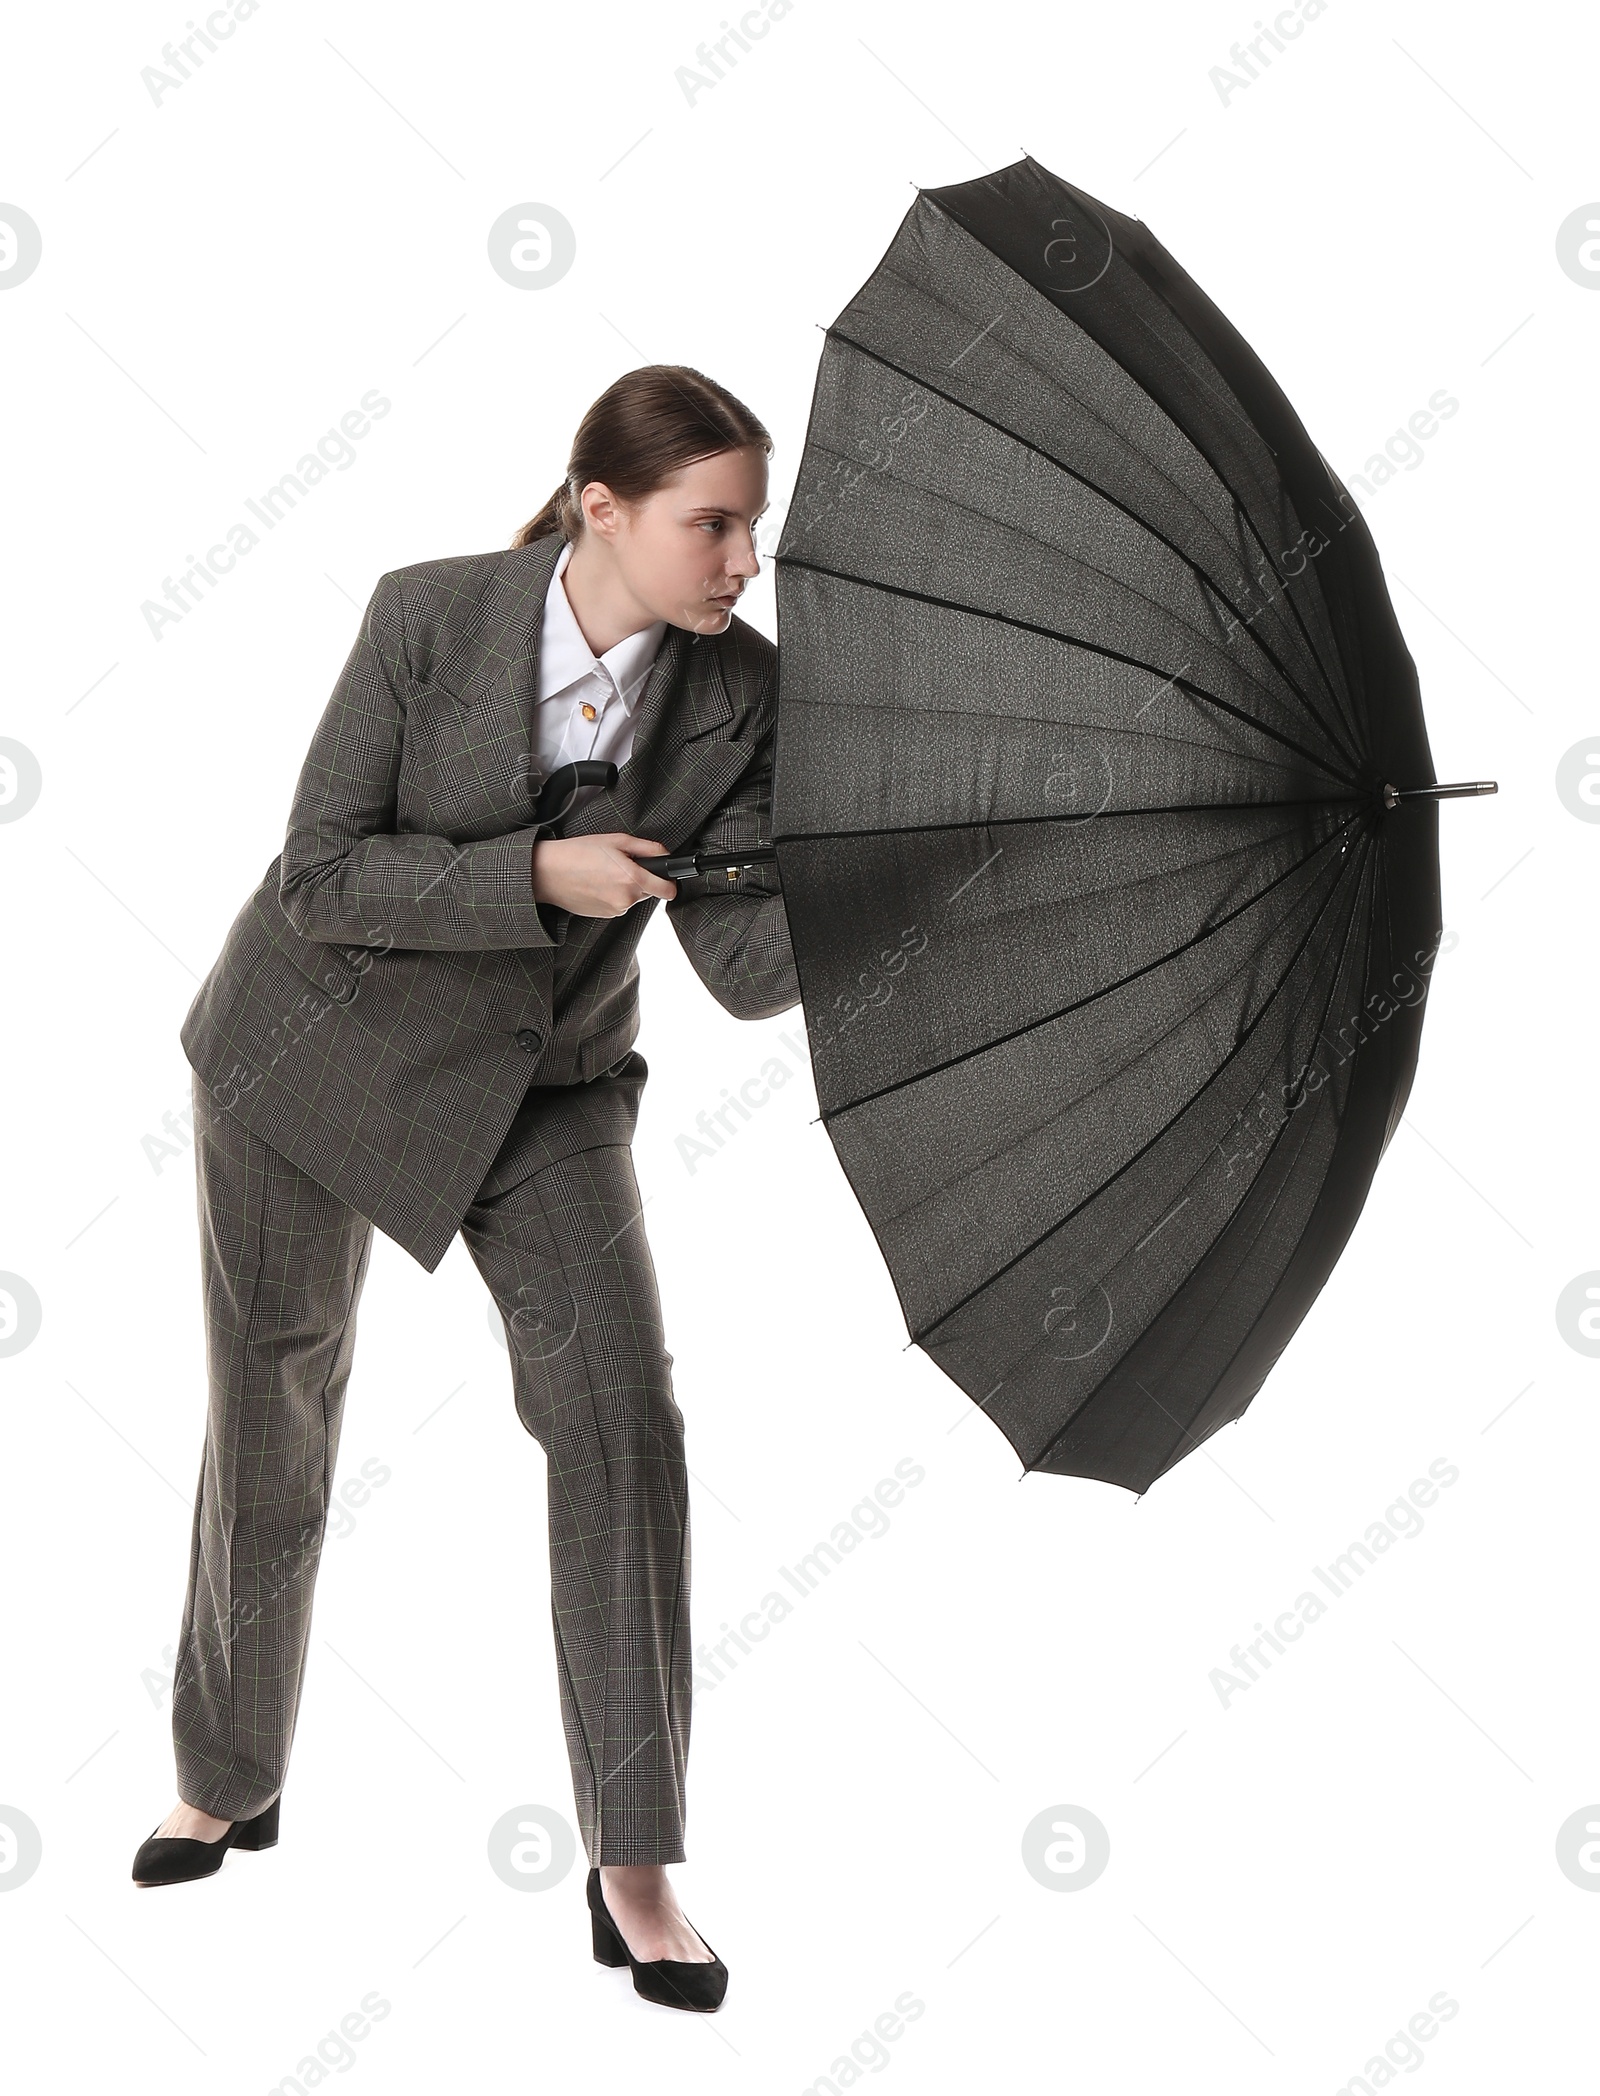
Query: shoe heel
[(608, 1945), (260, 1832)]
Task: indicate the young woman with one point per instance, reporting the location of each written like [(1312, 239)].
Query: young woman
[(422, 1021)]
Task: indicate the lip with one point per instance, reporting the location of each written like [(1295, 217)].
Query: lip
[(733, 598)]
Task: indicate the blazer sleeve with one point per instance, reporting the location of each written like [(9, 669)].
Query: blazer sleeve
[(736, 931), (347, 877)]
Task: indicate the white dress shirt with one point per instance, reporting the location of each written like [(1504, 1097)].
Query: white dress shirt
[(587, 703)]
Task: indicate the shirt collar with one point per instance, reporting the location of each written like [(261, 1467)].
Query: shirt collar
[(565, 656)]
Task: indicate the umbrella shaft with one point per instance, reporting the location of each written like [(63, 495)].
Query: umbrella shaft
[(1392, 794)]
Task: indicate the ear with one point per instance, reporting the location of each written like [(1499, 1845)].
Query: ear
[(602, 513)]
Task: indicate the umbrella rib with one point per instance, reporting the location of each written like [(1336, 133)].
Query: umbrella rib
[(1251, 961), (1222, 393), (1003, 618), (1039, 451), (1103, 888), (1043, 720), (1225, 398), (1130, 1162), (1145, 604), (1229, 401), (1226, 1224), (1293, 602), (1105, 990), (1300, 1239)]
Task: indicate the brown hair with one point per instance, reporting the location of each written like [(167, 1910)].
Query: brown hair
[(643, 427)]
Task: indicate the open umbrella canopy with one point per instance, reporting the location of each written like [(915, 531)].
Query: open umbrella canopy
[(1112, 892)]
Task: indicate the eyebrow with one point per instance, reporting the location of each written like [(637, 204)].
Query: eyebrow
[(711, 509)]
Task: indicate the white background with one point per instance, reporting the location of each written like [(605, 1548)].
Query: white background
[(1292, 1877)]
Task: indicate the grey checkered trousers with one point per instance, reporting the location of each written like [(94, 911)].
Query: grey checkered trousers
[(561, 1244)]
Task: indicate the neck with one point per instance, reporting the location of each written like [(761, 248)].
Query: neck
[(602, 603)]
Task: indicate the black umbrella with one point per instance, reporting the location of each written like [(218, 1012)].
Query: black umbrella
[(1104, 812)]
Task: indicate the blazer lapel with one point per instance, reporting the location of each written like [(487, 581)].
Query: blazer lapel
[(684, 696)]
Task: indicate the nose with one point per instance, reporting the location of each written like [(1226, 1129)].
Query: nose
[(747, 562)]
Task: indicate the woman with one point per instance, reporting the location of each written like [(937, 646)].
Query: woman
[(422, 1021)]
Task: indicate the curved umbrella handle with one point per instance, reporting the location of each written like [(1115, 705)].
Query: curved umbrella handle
[(555, 795)]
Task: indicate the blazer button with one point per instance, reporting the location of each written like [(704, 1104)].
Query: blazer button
[(531, 1039)]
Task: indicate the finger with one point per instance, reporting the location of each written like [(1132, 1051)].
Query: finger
[(641, 847)]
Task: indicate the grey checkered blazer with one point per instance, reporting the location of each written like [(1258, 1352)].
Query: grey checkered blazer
[(387, 995)]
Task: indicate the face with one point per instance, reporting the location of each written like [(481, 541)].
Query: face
[(687, 552)]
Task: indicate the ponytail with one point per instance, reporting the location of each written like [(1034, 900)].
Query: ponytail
[(552, 518)]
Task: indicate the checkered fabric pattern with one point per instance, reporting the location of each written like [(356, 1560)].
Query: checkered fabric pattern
[(560, 1242), (396, 1035), (391, 989)]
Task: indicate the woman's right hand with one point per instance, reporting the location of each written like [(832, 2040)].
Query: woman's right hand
[(597, 876)]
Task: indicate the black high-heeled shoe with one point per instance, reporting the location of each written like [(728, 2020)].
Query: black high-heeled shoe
[(172, 1859), (676, 1983)]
